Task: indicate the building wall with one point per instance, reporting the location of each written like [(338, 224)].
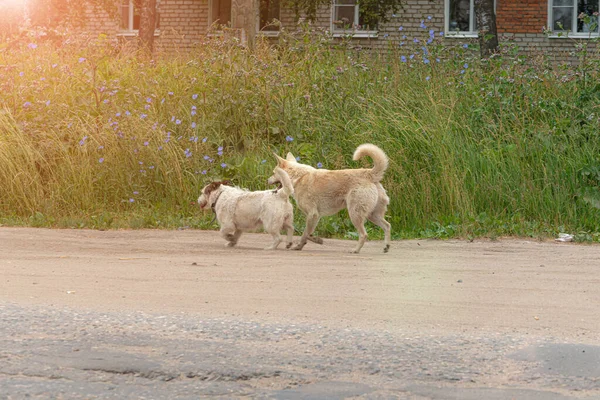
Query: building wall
[(184, 24), (518, 17)]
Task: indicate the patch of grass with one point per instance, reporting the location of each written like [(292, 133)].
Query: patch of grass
[(92, 137)]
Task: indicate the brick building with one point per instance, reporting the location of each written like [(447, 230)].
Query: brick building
[(547, 26)]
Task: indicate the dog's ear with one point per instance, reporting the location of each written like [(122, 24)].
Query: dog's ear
[(211, 188), (280, 161), (290, 157)]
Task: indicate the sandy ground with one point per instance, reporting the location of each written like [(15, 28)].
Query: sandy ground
[(177, 315), (505, 286)]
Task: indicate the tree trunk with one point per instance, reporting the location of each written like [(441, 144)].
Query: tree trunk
[(486, 25), (244, 16), (147, 25)]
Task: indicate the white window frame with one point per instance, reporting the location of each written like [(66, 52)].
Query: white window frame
[(465, 34), (129, 31), (569, 33), (356, 33)]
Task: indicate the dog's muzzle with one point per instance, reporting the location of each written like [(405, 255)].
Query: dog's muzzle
[(202, 203)]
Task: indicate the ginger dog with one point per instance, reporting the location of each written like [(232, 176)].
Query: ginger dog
[(321, 192)]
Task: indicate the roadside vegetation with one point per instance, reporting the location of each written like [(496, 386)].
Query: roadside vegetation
[(93, 136)]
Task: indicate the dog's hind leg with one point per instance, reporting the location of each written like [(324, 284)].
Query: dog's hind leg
[(380, 221), (359, 203), (359, 223), (276, 240), (290, 234), (311, 224), (377, 216)]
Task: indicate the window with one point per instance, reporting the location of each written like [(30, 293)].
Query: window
[(348, 16), (574, 16), (269, 11), (460, 17), (130, 16), (220, 13)]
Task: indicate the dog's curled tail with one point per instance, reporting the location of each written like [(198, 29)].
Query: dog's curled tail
[(380, 160), (286, 183)]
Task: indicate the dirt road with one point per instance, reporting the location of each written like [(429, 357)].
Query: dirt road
[(509, 294)]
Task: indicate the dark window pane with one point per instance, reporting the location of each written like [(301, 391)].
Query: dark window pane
[(124, 24), (136, 18), (269, 10), (562, 18), (460, 15), (221, 12), (344, 17), (587, 7)]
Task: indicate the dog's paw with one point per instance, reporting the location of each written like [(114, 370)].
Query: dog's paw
[(297, 247), (287, 246), (386, 248), (354, 251), (231, 244)]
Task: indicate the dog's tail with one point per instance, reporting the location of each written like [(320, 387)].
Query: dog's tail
[(286, 183), (380, 160)]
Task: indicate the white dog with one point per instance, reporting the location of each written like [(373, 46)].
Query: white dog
[(321, 192), (238, 210)]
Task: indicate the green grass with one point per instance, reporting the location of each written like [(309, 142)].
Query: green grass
[(507, 147)]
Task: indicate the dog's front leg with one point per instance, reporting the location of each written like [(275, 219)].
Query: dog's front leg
[(312, 220), (231, 235)]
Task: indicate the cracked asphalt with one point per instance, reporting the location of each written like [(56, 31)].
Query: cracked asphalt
[(175, 315)]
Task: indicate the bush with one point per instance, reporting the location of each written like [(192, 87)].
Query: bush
[(90, 136)]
